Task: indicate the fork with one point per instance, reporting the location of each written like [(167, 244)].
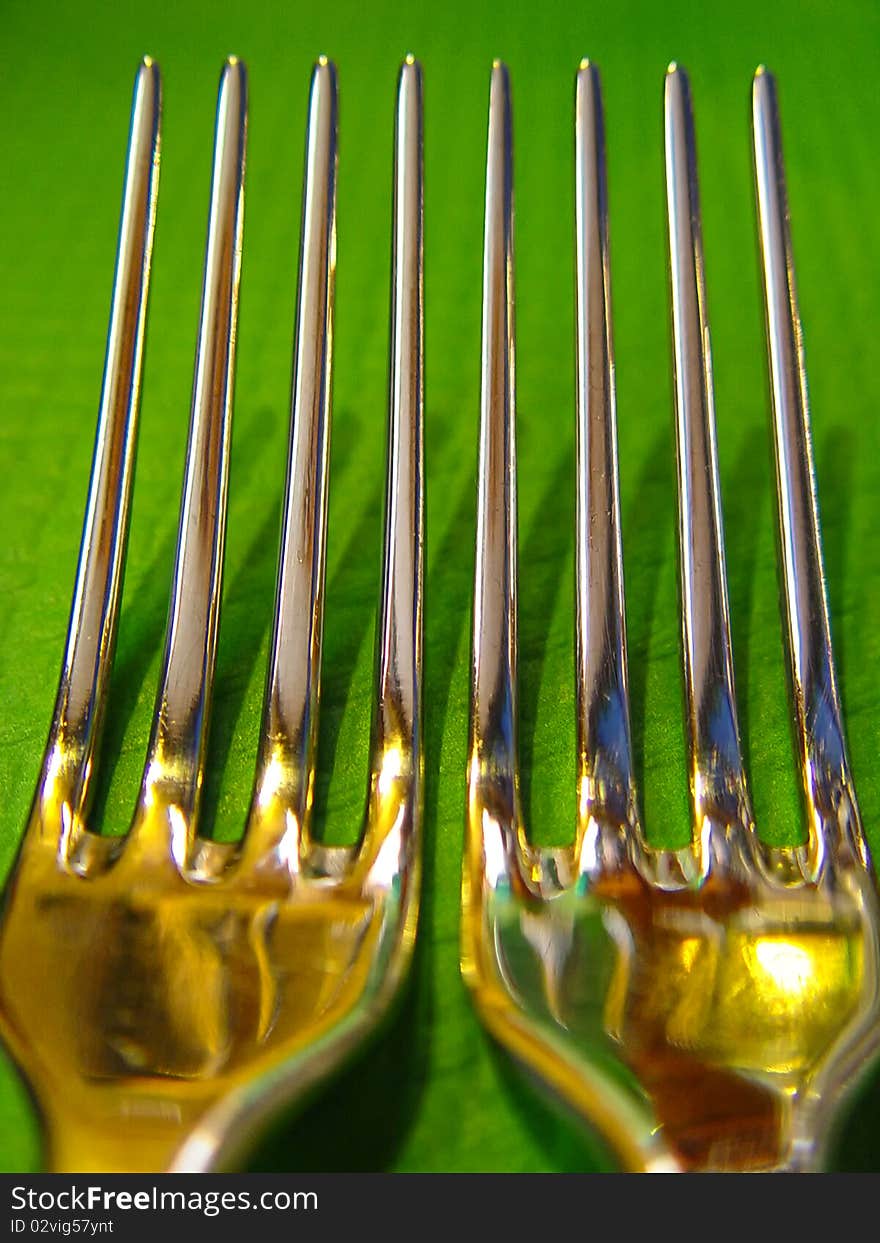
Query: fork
[(701, 1008), (164, 994)]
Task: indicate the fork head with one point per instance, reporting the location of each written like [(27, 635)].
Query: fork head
[(163, 994), (701, 1008)]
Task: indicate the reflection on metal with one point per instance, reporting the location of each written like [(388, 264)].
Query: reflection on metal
[(165, 994), (702, 1008)]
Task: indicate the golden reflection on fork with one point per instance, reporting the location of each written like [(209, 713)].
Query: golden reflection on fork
[(165, 995), (701, 1008)]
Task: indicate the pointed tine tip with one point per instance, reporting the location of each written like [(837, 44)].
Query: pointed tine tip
[(148, 82), (323, 110), (588, 93), (324, 76), (499, 91), (410, 72), (500, 75), (233, 85), (677, 103), (677, 88), (676, 82), (763, 88), (232, 103), (323, 95), (588, 74)]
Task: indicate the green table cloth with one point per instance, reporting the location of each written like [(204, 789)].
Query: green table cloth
[(433, 1094)]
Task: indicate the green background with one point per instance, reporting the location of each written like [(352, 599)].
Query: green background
[(433, 1095)]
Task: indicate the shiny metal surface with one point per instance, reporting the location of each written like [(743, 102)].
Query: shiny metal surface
[(832, 812), (717, 780), (289, 733), (705, 1008), (91, 636), (606, 782), (192, 989), (175, 761), (493, 726)]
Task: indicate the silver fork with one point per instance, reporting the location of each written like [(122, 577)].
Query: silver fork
[(702, 1008), (164, 994)]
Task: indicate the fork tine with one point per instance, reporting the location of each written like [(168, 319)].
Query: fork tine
[(396, 745), (493, 778), (832, 813), (175, 760), (607, 796), (82, 692), (719, 792), (282, 798)]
